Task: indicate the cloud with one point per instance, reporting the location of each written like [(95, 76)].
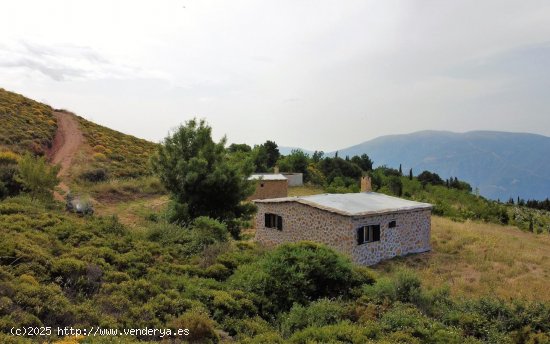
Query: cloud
[(67, 62)]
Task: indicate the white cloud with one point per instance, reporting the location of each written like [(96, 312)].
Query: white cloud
[(65, 62)]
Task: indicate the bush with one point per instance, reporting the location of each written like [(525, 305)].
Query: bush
[(194, 238), (9, 184), (37, 176), (407, 286), (201, 327), (404, 286), (94, 175), (343, 332), (318, 313), (209, 231), (247, 327), (296, 273)]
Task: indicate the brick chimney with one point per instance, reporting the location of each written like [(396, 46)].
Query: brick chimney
[(366, 185), (276, 170)]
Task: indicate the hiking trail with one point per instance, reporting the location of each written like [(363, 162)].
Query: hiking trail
[(68, 140)]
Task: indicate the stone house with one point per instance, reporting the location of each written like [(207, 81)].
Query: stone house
[(269, 185), (368, 227)]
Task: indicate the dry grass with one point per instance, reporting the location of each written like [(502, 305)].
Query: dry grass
[(476, 259)]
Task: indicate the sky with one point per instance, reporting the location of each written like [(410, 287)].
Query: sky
[(321, 75)]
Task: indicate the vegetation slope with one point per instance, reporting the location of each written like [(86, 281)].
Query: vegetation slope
[(26, 125), (118, 155)]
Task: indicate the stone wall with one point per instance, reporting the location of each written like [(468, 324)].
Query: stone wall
[(303, 222), (411, 235), (270, 189)]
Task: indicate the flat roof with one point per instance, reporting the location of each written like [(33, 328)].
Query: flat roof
[(354, 204), (267, 176)]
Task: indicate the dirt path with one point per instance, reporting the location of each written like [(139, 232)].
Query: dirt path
[(66, 144)]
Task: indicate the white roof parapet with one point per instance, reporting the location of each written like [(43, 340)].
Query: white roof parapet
[(354, 204), (267, 176)]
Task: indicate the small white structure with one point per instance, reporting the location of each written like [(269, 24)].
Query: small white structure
[(294, 179)]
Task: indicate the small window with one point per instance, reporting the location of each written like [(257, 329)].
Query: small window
[(273, 221), (262, 185), (367, 234), (392, 224)]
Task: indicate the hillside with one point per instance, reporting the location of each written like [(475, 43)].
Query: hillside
[(30, 126), (26, 125), (119, 155), (500, 164)]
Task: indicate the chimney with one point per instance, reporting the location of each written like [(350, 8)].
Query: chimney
[(366, 184), (276, 170)]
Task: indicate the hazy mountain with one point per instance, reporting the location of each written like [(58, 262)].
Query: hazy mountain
[(500, 164)]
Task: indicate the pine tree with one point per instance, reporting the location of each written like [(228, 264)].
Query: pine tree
[(400, 170), (200, 178), (411, 174)]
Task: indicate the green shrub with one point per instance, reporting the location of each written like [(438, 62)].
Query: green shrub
[(37, 176), (343, 332), (208, 231), (94, 175), (317, 314), (407, 286), (296, 273), (247, 328), (218, 272), (269, 337), (383, 290), (9, 184), (404, 286), (202, 329)]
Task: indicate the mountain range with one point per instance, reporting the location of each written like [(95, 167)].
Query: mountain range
[(499, 164)]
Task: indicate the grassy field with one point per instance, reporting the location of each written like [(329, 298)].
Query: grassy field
[(475, 259)]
